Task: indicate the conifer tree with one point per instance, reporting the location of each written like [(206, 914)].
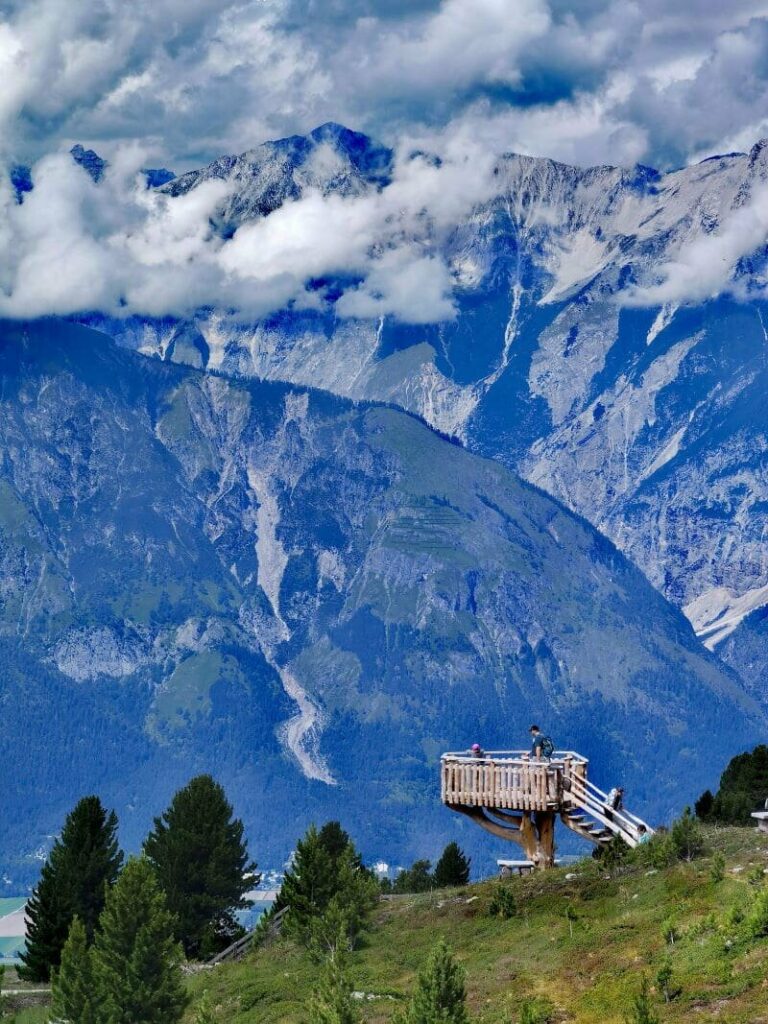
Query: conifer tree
[(308, 885), (334, 838), (83, 861), (686, 837), (417, 878), (200, 858), (346, 915), (440, 997), (332, 1001), (74, 997), (642, 1010), (452, 868), (135, 957)]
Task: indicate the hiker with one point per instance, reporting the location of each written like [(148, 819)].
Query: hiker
[(542, 747), (642, 835), (615, 799), (477, 750), (614, 802)]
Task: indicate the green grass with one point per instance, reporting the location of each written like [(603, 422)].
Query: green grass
[(31, 1015), (590, 976), (24, 1009)]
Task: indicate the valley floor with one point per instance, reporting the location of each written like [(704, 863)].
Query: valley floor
[(589, 967)]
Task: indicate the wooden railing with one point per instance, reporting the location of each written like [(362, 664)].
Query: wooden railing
[(509, 780)]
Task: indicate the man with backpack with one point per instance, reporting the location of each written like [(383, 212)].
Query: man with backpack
[(542, 747)]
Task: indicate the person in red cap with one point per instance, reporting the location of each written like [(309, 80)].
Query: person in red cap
[(477, 750)]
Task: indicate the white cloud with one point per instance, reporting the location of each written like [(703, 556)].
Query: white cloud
[(405, 284), (119, 248), (704, 267), (195, 78), (605, 81)]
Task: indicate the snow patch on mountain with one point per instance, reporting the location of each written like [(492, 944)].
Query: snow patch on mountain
[(663, 319)]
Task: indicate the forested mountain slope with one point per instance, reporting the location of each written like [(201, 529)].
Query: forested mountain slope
[(309, 598)]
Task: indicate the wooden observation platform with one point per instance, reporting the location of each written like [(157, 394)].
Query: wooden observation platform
[(518, 798)]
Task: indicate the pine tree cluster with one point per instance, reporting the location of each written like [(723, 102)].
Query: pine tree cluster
[(452, 869), (111, 938), (743, 789)]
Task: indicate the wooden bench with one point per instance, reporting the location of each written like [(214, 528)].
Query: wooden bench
[(518, 867), (515, 867)]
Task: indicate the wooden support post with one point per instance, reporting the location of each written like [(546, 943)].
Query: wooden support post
[(545, 822)]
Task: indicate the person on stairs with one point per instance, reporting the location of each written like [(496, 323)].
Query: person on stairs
[(614, 802)]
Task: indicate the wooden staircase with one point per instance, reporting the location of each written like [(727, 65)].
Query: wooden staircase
[(586, 811)]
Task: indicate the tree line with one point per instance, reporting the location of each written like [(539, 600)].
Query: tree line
[(111, 934)]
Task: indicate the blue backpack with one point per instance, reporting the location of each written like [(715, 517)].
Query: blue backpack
[(547, 747)]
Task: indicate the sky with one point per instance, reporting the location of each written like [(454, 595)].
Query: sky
[(587, 81), (176, 83)]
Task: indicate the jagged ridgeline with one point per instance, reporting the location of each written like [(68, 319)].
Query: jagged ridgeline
[(310, 599)]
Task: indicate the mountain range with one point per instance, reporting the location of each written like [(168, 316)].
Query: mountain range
[(311, 598), (308, 552), (564, 360)]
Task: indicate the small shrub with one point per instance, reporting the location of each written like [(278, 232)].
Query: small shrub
[(642, 1010), (664, 981), (757, 921), (756, 876), (205, 1014), (670, 931), (536, 1011), (735, 916), (704, 926), (502, 903), (614, 855), (659, 852), (686, 836), (717, 868)]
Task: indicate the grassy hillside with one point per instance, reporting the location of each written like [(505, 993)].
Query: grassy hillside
[(618, 927)]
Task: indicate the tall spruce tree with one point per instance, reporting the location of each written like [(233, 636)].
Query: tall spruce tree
[(440, 997), (337, 842), (201, 860), (308, 886), (74, 997), (83, 862), (136, 959), (452, 868)]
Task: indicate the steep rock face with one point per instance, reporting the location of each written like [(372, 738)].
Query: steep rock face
[(311, 599), (628, 415)]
